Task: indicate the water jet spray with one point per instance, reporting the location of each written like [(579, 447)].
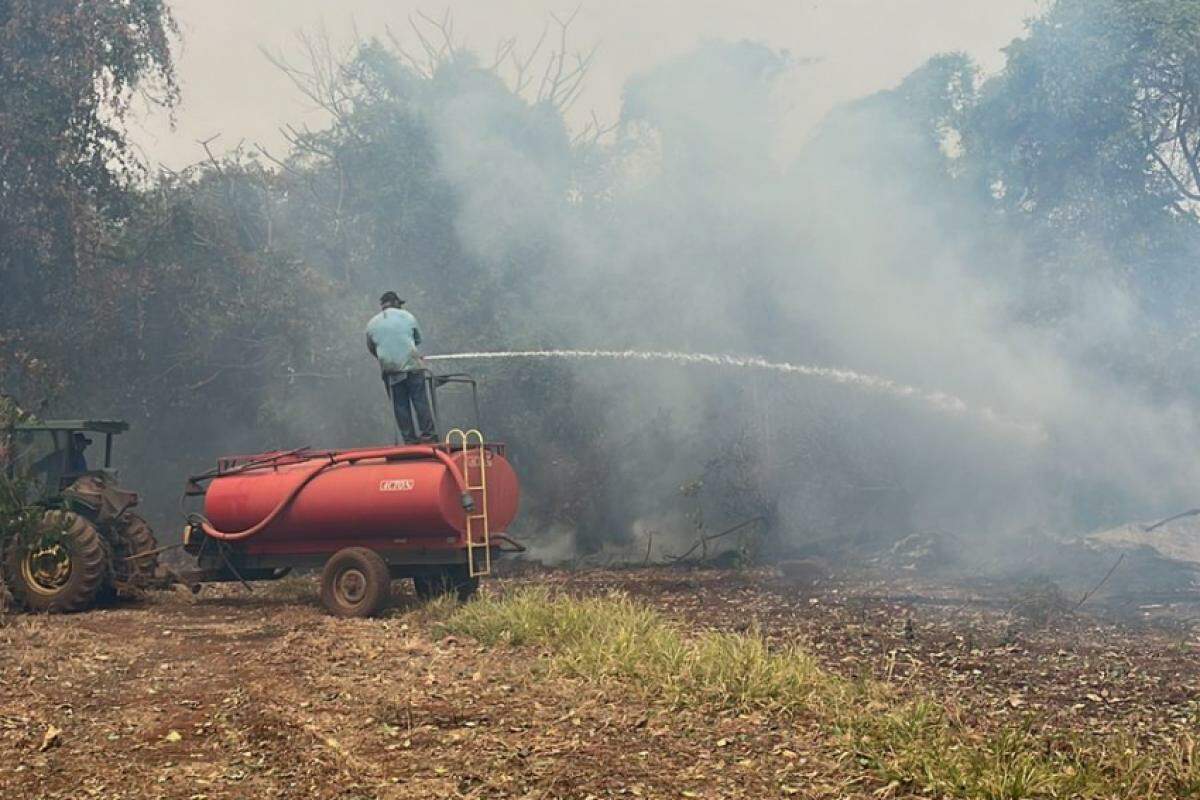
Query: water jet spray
[(941, 401)]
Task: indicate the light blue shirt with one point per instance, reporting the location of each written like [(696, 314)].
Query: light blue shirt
[(392, 335)]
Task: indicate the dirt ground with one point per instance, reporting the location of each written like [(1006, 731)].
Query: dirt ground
[(234, 695)]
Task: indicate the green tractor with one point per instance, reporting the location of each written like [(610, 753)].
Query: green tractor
[(75, 541)]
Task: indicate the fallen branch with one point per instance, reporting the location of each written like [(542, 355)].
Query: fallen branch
[(1103, 581), (704, 540), (1194, 512)]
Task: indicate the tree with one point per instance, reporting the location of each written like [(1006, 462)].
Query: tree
[(1094, 124), (69, 70)]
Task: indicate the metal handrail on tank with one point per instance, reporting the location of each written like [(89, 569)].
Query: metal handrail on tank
[(434, 382), (234, 465)]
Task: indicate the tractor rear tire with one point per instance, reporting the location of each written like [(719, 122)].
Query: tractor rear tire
[(356, 582), (67, 576), (134, 536), (448, 581), (107, 595)]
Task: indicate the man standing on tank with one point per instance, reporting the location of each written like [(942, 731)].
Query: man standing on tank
[(393, 337)]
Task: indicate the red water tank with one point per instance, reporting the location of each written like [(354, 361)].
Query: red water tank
[(401, 500)]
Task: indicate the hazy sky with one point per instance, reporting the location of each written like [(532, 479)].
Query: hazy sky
[(229, 87)]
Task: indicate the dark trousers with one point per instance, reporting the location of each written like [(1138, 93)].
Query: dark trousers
[(407, 390)]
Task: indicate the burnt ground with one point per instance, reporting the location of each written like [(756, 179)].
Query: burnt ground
[(229, 695)]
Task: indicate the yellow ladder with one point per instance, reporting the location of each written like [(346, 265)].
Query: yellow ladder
[(478, 534)]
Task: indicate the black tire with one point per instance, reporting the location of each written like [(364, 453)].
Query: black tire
[(68, 576), (448, 580), (134, 536), (107, 595), (355, 583)]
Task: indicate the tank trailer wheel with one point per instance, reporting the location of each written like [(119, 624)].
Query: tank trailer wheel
[(355, 583), (58, 576), (450, 580)]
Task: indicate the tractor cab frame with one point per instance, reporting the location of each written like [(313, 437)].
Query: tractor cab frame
[(52, 453)]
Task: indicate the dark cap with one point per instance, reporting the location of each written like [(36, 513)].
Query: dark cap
[(390, 297)]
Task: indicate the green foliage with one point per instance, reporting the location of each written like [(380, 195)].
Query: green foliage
[(205, 292), (19, 521), (1091, 126)]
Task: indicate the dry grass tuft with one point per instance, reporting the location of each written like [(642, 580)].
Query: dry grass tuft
[(916, 746), (612, 637), (910, 747)]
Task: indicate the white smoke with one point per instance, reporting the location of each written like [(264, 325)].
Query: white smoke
[(702, 243)]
